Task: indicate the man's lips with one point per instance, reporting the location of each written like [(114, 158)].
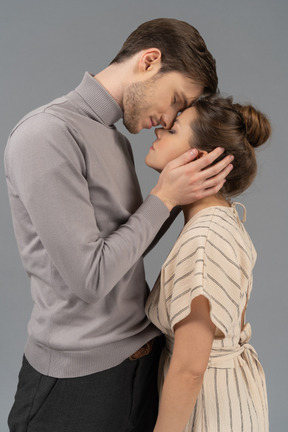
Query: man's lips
[(150, 125), (154, 123)]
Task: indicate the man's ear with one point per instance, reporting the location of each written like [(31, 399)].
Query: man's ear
[(150, 60)]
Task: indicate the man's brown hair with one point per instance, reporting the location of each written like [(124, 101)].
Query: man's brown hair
[(182, 48)]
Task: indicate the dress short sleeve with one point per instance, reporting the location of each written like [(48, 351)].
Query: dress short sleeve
[(205, 261)]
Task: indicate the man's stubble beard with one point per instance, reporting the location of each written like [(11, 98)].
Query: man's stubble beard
[(136, 105)]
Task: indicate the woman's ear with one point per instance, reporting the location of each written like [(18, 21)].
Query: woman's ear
[(201, 153)]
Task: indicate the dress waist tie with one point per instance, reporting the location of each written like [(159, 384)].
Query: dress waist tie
[(228, 357), (235, 356)]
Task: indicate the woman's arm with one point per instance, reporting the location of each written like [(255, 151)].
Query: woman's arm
[(193, 341)]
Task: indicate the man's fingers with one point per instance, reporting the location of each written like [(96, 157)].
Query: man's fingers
[(218, 179), (212, 190), (185, 158), (214, 170), (208, 159)]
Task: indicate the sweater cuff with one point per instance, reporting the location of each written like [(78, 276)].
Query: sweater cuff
[(154, 210)]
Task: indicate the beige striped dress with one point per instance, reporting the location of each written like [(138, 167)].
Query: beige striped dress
[(214, 257)]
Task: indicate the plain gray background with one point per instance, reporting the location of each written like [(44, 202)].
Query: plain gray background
[(46, 46)]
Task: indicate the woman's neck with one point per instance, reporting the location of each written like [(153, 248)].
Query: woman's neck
[(215, 200)]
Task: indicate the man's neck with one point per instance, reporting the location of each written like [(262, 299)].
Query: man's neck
[(115, 79)]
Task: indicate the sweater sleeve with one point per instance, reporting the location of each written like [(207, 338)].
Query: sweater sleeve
[(49, 179)]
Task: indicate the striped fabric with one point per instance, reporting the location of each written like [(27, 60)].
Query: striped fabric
[(214, 257)]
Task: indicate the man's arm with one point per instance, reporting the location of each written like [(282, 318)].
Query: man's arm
[(164, 228), (48, 173)]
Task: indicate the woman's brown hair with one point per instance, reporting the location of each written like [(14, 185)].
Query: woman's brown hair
[(239, 129), (182, 48)]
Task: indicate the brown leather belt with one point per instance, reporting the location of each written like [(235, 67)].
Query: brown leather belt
[(143, 351)]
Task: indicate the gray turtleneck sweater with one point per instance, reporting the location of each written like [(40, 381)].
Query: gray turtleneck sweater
[(81, 229)]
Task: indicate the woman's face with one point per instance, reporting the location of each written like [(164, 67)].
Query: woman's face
[(171, 143)]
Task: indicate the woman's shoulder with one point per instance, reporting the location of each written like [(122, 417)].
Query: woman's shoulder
[(208, 222), (218, 219), (215, 214), (219, 224), (217, 227), (191, 240)]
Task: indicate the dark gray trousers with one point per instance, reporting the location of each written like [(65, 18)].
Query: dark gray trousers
[(121, 399)]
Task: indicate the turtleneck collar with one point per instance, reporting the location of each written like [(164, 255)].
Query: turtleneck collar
[(97, 102)]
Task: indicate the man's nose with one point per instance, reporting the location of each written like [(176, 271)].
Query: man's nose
[(166, 121)]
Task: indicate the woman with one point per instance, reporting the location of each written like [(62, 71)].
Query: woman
[(210, 378)]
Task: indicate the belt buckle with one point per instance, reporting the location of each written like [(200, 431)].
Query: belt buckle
[(143, 351)]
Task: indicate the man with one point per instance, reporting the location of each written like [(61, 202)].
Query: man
[(91, 357)]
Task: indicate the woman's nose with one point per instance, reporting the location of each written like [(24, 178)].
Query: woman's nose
[(157, 132)]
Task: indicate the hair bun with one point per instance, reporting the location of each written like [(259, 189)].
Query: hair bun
[(258, 128)]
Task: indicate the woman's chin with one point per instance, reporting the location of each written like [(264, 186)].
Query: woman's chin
[(150, 164)]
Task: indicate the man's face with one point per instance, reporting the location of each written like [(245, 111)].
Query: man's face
[(158, 100)]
